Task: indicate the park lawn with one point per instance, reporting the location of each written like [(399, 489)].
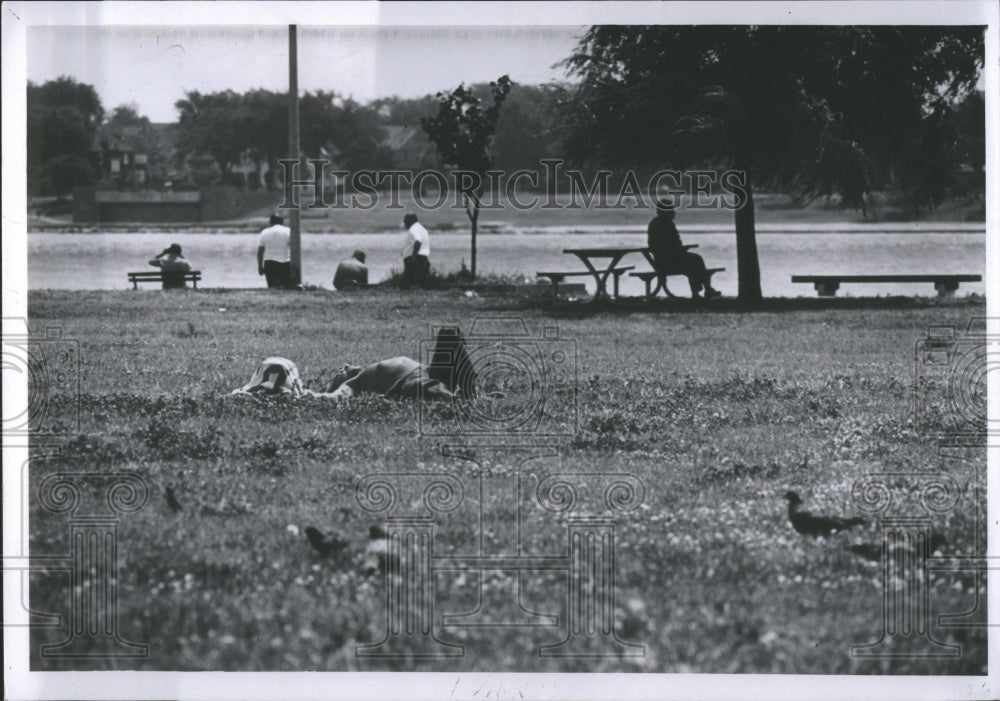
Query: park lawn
[(717, 411)]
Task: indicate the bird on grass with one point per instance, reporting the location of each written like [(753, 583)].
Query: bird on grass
[(870, 551), (325, 545), (172, 502), (809, 524), (377, 557)]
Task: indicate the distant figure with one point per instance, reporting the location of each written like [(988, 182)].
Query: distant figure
[(274, 253), (669, 255), (416, 252), (173, 265), (352, 273)]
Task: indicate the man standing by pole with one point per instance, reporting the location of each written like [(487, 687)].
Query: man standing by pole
[(295, 242), (273, 254)]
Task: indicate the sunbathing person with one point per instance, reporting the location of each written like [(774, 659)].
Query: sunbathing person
[(449, 374)]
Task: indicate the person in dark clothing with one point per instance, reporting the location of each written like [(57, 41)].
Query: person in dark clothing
[(669, 255), (173, 265)]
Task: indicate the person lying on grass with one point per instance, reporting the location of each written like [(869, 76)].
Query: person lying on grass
[(450, 374)]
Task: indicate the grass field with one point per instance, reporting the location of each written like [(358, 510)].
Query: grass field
[(718, 412)]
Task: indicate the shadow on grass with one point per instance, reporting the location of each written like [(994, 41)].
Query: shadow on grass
[(639, 305)]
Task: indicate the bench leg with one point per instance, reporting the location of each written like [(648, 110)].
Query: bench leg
[(663, 286), (946, 288), (555, 291), (827, 289)]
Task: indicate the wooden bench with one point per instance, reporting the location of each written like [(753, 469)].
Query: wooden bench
[(558, 276), (661, 280), (827, 285), (192, 276)]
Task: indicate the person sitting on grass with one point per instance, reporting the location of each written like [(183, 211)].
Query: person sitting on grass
[(450, 374), (173, 265), (669, 255), (352, 274)]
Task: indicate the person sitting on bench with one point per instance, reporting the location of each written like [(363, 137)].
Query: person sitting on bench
[(670, 257), (173, 265)]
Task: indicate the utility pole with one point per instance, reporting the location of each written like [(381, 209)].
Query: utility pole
[(293, 150)]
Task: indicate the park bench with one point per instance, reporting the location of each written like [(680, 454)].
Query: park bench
[(192, 276), (649, 276), (558, 276), (945, 284)]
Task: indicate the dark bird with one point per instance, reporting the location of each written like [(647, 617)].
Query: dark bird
[(808, 524), (325, 545), (377, 557), (172, 502), (870, 551)]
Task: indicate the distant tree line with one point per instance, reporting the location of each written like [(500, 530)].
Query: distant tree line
[(219, 133)]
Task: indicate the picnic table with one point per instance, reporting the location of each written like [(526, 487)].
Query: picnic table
[(601, 272)]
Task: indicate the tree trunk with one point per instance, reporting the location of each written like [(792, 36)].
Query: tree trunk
[(747, 262), (474, 217)]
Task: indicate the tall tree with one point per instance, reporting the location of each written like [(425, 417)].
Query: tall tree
[(63, 119), (463, 133), (808, 108), (213, 123)]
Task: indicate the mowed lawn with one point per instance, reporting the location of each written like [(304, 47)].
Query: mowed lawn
[(716, 411)]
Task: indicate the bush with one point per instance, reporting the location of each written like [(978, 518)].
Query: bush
[(446, 281)]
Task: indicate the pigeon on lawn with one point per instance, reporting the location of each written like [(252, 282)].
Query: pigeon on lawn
[(172, 502), (377, 557), (808, 524), (325, 545), (870, 551)]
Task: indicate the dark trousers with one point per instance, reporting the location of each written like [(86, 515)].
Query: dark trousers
[(173, 281), (691, 265), (278, 274), (450, 364), (416, 269)]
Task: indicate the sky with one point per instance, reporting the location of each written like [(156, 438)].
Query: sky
[(152, 67)]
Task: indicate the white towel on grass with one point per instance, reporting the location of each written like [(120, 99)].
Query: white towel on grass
[(274, 376)]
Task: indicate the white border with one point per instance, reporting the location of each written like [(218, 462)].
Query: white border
[(21, 684)]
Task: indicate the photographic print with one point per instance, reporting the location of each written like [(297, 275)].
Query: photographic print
[(465, 352)]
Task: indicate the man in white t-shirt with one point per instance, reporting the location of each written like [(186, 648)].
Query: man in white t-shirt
[(416, 252), (274, 253)]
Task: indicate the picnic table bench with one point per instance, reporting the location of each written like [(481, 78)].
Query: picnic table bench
[(945, 284), (192, 276), (558, 276), (647, 276)]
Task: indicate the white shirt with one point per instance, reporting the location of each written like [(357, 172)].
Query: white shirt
[(275, 240), (415, 233)]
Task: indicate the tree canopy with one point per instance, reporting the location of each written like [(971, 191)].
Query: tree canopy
[(63, 119), (230, 125), (814, 109)]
